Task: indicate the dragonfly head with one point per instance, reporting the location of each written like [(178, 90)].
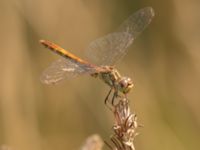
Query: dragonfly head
[(125, 84)]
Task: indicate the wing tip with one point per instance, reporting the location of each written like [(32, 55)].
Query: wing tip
[(151, 10)]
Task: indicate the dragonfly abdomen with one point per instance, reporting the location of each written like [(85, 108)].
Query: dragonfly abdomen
[(62, 52)]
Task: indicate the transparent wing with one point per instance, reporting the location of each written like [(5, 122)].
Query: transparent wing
[(112, 47), (64, 69), (137, 22), (106, 50)]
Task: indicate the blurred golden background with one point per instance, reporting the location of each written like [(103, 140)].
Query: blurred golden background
[(164, 63)]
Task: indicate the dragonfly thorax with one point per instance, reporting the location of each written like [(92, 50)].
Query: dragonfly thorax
[(113, 78)]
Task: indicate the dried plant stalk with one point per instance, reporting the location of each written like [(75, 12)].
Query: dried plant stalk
[(124, 127), (5, 147), (94, 142)]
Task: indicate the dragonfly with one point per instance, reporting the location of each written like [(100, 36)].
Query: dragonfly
[(103, 54)]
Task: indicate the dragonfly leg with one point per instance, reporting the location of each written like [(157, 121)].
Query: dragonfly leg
[(115, 95), (106, 99)]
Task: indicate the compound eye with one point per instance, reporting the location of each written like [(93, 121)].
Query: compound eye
[(123, 83)]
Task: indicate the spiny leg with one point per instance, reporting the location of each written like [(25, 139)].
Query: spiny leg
[(115, 95), (106, 99)]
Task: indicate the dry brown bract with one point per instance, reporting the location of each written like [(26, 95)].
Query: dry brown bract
[(124, 127)]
